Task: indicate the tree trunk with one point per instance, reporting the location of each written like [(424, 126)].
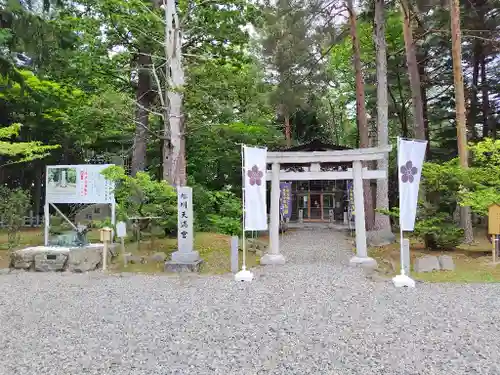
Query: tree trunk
[(425, 111), (382, 222), (472, 117), (400, 112), (411, 62), (361, 111), (422, 56), (465, 213), (288, 130), (143, 95), (488, 125), (174, 165)]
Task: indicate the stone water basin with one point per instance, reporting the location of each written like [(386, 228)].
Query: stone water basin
[(58, 258)]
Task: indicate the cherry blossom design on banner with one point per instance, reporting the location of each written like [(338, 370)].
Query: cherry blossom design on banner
[(255, 176), (408, 171)]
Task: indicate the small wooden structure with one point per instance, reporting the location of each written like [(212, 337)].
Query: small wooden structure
[(494, 228)]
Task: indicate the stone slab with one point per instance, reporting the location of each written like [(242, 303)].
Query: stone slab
[(427, 263), (366, 263), (50, 261), (172, 266), (85, 259), (185, 256), (406, 256), (446, 262), (58, 258), (272, 260), (23, 259), (379, 238), (158, 257), (130, 258)]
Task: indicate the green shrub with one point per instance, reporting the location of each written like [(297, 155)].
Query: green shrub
[(217, 211), (439, 232), (14, 203), (441, 184), (435, 229), (448, 185), (141, 196), (482, 188), (59, 225), (99, 224)]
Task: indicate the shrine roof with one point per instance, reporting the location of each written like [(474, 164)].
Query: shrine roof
[(316, 145)]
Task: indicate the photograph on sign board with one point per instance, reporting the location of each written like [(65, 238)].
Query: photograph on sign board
[(62, 180)]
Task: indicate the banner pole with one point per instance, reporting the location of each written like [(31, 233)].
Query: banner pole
[(243, 244), (46, 211), (401, 253), (46, 222), (401, 236)]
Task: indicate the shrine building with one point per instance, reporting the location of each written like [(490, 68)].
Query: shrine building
[(318, 201)]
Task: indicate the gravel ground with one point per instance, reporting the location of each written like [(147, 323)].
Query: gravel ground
[(313, 316)]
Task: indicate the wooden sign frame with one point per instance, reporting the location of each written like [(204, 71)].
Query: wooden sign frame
[(494, 219), (494, 228)]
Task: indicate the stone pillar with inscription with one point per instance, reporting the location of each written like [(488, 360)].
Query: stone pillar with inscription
[(185, 258)]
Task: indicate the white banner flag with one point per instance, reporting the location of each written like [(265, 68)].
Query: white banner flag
[(411, 154), (255, 188)]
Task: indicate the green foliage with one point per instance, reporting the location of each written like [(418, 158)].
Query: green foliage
[(140, 196), (220, 93), (217, 211), (341, 94), (58, 225), (215, 152), (19, 152), (435, 229), (477, 187), (102, 223), (102, 121), (483, 188), (339, 102), (441, 183), (480, 200), (287, 38), (14, 204), (290, 42)]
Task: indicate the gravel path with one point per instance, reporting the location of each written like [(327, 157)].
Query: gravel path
[(313, 316)]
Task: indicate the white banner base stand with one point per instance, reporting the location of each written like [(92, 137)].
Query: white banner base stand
[(401, 281), (244, 275)]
